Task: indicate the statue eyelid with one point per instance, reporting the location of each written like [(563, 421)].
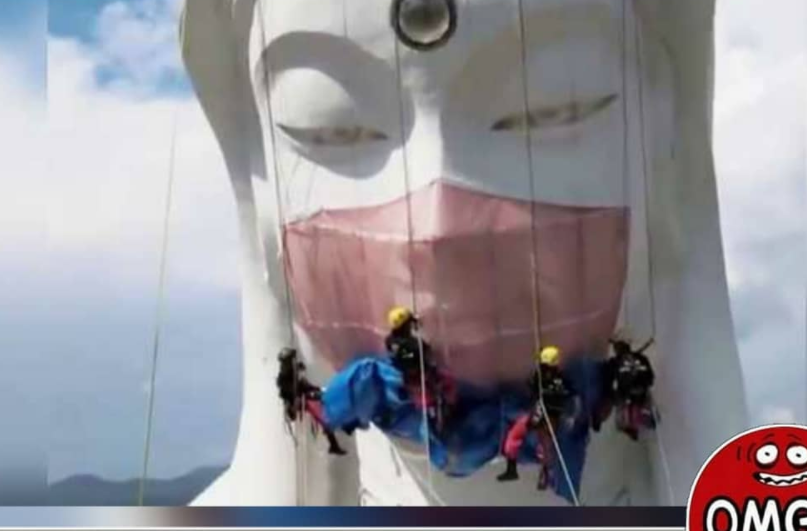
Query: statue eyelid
[(554, 115), (336, 136)]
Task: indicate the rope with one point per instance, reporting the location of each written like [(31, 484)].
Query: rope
[(300, 456), (534, 261), (640, 71), (625, 156), (159, 310), (410, 235), (626, 320)]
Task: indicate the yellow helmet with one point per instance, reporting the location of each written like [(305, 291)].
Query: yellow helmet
[(548, 355), (398, 316)]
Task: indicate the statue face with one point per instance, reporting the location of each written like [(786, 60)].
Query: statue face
[(415, 178)]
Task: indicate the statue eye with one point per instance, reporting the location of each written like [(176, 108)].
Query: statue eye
[(333, 136), (554, 115)]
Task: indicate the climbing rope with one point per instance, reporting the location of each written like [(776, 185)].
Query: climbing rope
[(160, 308), (638, 50), (626, 195), (300, 441), (534, 255), (626, 192), (410, 236)]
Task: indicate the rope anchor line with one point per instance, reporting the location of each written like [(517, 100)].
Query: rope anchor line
[(534, 257), (158, 329), (639, 73), (299, 438)]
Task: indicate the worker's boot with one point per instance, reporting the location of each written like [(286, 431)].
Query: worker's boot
[(333, 445), (632, 432), (511, 474), (543, 478)]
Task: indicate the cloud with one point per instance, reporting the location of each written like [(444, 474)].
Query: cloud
[(761, 157), (136, 47), (22, 29), (114, 153), (95, 185), (777, 415)]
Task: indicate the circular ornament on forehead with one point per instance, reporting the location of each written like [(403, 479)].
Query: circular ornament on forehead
[(424, 24)]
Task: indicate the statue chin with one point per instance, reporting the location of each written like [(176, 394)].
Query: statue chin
[(399, 148)]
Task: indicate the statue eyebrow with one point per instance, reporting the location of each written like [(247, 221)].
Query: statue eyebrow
[(335, 56)]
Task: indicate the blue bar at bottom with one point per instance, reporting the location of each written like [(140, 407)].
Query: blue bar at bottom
[(365, 517), (508, 517)]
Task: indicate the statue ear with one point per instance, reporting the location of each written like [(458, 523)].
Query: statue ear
[(210, 63)]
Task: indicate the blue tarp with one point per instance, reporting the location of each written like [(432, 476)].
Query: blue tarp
[(371, 390)]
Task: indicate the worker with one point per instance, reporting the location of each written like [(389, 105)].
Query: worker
[(631, 377), (298, 393), (406, 346), (405, 343), (551, 395)]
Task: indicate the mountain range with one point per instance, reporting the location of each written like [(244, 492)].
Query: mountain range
[(88, 490)]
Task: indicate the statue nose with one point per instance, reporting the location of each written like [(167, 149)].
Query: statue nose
[(424, 152)]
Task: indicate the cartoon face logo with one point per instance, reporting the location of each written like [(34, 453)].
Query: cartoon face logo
[(756, 481)]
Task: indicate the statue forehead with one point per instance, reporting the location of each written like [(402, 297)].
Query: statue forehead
[(367, 24)]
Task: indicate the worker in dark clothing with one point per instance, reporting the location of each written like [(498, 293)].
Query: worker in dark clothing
[(632, 377), (551, 395), (298, 393), (406, 346)]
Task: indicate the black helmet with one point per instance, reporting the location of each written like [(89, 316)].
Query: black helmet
[(287, 354), (622, 347)]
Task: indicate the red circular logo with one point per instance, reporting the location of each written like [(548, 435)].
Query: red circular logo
[(757, 481)]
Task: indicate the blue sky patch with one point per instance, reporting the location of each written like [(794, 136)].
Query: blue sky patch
[(75, 19), (79, 21), (22, 29)]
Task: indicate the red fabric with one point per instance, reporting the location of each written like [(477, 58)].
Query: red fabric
[(518, 432), (448, 388), (515, 437), (314, 408), (635, 416), (546, 444), (416, 395), (631, 416)]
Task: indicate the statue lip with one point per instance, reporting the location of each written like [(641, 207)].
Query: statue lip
[(467, 258)]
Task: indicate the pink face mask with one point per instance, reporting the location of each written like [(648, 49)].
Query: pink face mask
[(469, 267)]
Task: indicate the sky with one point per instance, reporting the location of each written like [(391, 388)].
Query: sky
[(82, 231)]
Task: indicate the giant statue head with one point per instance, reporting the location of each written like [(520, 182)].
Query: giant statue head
[(519, 172)]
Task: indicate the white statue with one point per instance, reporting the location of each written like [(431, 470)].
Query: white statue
[(389, 140)]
